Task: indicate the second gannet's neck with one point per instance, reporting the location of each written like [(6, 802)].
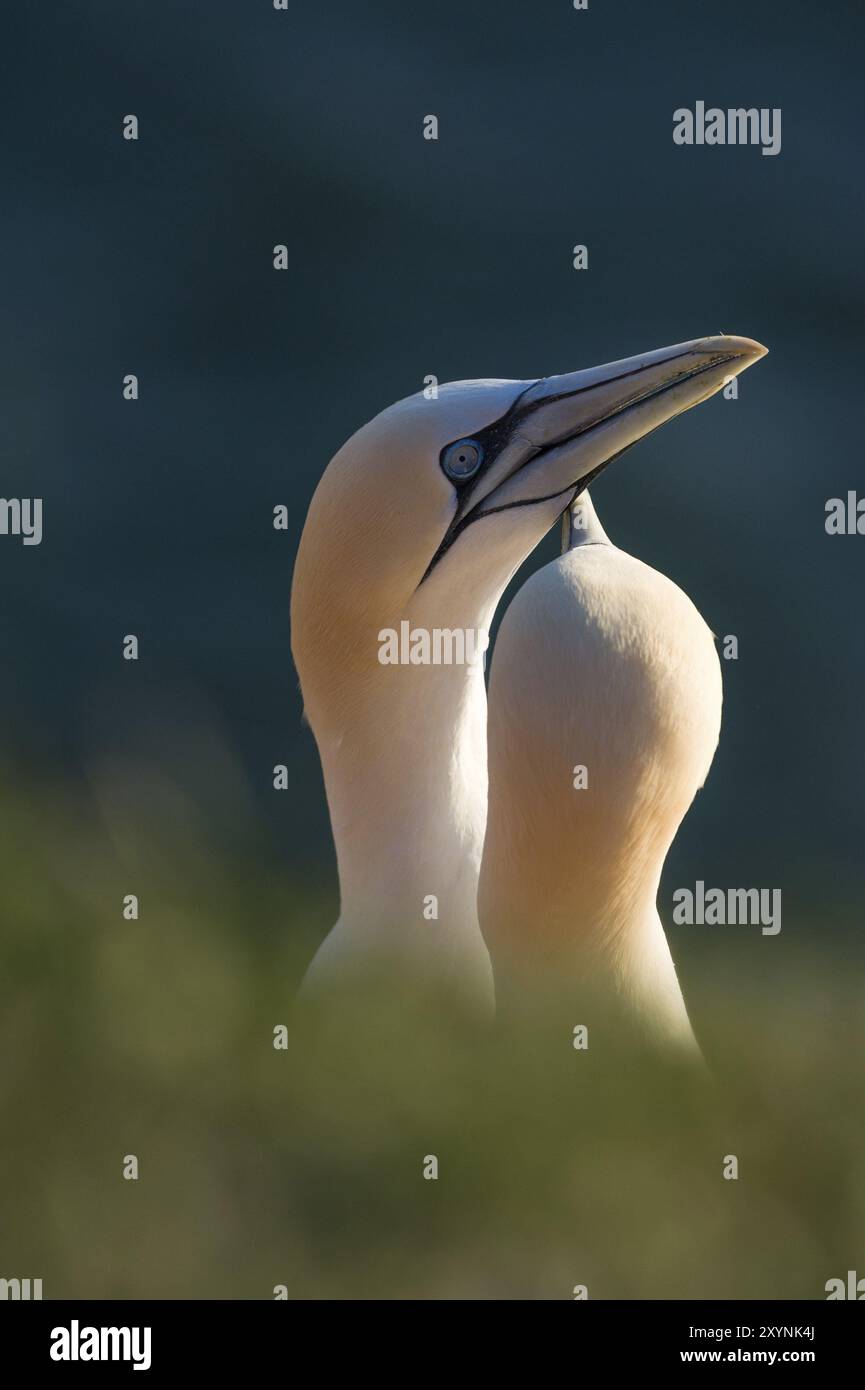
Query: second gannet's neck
[(613, 939)]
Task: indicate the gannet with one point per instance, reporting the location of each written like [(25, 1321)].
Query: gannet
[(604, 717), (423, 516)]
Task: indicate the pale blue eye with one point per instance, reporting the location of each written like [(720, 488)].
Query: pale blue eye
[(462, 460)]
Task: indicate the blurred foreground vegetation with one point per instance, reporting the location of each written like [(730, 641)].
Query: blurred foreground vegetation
[(303, 1167)]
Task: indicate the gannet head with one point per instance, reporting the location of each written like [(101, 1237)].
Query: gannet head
[(427, 511)]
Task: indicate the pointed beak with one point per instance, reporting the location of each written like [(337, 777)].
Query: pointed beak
[(562, 431)]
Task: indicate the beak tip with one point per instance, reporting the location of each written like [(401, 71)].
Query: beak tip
[(747, 348)]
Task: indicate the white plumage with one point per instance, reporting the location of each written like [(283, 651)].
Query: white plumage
[(424, 515), (604, 714)]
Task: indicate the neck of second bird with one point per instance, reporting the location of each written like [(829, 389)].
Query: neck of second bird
[(599, 940), (622, 944)]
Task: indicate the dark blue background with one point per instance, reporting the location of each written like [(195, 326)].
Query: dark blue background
[(410, 257)]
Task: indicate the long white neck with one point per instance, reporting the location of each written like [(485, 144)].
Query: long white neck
[(618, 946), (586, 916), (406, 784)]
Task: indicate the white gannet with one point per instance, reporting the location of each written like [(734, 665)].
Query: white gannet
[(604, 716), (423, 516)]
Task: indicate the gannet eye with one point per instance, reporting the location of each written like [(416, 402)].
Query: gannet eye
[(462, 460)]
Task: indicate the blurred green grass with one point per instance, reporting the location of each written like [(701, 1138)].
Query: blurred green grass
[(303, 1167)]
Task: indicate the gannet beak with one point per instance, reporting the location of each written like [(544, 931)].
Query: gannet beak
[(562, 431)]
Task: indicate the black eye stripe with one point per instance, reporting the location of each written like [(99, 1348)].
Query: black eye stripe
[(491, 439)]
